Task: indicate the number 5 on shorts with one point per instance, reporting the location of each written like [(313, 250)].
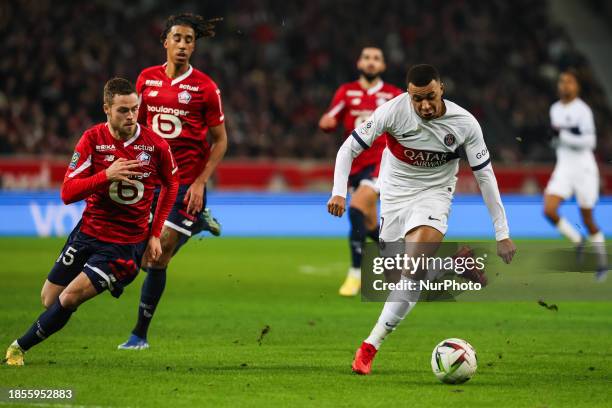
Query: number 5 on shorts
[(67, 256)]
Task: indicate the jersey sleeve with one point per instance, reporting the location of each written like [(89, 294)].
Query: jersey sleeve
[(80, 181), (475, 148), (142, 109), (369, 130), (213, 108), (581, 136), (337, 108), (169, 189)]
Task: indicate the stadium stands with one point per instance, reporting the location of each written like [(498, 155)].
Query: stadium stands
[(278, 63)]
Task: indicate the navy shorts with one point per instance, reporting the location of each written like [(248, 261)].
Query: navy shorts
[(107, 265), (178, 219), (368, 173)]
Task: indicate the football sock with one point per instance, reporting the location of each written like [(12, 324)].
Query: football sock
[(568, 231), (354, 273), (49, 322), (151, 293), (398, 305), (599, 245), (357, 236)]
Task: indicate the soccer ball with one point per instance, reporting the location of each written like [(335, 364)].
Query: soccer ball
[(454, 361)]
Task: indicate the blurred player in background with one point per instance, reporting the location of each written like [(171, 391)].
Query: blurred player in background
[(576, 171), (417, 183), (352, 104), (182, 105), (116, 167)]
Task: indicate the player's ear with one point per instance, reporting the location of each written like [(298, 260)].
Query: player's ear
[(441, 88), (106, 109)]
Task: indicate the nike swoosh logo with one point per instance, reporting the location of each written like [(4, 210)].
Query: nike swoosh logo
[(391, 326), (434, 219)]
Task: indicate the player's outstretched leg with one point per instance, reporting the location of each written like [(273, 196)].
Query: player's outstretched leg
[(551, 212), (598, 241), (151, 292), (400, 301), (53, 319)]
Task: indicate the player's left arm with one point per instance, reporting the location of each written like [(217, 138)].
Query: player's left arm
[(480, 161), (167, 196), (194, 197)]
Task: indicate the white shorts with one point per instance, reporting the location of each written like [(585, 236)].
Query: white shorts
[(582, 181), (429, 207)]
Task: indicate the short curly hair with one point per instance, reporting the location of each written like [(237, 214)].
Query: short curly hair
[(203, 28), (117, 86)]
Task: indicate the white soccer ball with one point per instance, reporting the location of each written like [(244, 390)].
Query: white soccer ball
[(454, 361)]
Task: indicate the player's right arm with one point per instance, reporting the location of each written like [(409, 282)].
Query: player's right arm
[(80, 181), (329, 120), (359, 140)]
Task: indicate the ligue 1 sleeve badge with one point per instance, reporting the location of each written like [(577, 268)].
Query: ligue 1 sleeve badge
[(184, 97), (449, 140)]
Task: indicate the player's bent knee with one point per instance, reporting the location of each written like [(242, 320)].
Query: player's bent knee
[(70, 300)]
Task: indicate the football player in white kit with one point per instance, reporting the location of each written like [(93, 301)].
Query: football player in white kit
[(576, 171), (417, 182)]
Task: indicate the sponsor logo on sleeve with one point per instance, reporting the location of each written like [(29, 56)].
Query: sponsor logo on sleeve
[(365, 128), (74, 160), (482, 154)]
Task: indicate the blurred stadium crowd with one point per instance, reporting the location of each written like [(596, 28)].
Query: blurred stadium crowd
[(278, 63)]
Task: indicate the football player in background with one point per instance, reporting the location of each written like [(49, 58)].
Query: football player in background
[(576, 171), (353, 102), (182, 105), (417, 183), (116, 167)]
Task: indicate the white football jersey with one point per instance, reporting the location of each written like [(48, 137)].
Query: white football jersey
[(421, 154), (576, 127)]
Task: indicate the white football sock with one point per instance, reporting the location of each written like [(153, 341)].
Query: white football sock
[(599, 245), (568, 231), (354, 273), (398, 305)]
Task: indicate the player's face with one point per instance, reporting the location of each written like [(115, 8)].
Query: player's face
[(179, 44), (122, 114), (567, 86), (427, 100), (371, 63)]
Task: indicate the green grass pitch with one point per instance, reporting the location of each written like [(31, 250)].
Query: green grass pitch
[(222, 292)]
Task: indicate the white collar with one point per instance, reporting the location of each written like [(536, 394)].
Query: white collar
[(375, 88), (131, 139), (180, 78)]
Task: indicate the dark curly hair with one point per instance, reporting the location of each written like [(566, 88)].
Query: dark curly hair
[(203, 28)]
